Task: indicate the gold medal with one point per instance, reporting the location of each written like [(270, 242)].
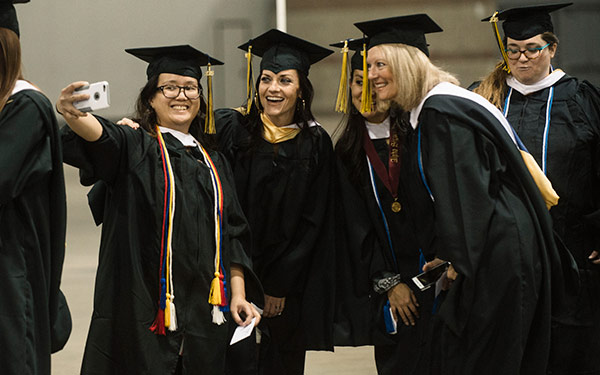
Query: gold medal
[(396, 206)]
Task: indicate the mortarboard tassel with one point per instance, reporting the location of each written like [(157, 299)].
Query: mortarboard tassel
[(341, 104), (366, 98), (209, 124), (249, 79), (494, 22)]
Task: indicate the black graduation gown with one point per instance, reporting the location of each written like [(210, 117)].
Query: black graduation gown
[(492, 224), (573, 167), (405, 351), (285, 190), (34, 318), (127, 282)]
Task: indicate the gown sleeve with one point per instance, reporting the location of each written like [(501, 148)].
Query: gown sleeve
[(590, 96)]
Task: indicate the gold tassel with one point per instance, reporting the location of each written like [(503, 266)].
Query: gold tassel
[(341, 103), (214, 297), (209, 123), (494, 22), (249, 79), (366, 99), (168, 311)]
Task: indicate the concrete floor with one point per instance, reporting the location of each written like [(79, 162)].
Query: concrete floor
[(83, 239)]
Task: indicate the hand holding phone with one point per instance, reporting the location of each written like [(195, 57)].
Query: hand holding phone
[(99, 97), (426, 279)]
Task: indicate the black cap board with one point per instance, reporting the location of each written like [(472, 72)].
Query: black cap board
[(356, 62), (184, 60), (408, 30), (8, 15), (528, 21), (282, 51)]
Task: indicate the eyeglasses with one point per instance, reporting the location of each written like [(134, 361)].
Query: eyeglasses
[(173, 91), (530, 53)]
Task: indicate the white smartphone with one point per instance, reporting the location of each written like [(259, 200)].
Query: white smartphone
[(427, 279), (99, 97)]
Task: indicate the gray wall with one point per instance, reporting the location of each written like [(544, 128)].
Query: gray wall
[(70, 40)]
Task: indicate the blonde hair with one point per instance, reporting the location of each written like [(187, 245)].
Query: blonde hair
[(10, 63), (494, 85), (415, 73)]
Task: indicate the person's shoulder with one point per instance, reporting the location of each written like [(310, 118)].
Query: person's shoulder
[(228, 117), (30, 97)]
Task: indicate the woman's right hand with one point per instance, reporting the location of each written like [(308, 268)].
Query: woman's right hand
[(128, 122), (64, 104)]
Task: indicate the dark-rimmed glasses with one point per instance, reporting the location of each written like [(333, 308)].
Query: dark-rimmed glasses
[(530, 53), (173, 91)]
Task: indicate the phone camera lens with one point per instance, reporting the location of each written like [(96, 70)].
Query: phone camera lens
[(97, 96)]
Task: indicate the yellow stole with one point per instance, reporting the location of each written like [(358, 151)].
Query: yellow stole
[(276, 134)]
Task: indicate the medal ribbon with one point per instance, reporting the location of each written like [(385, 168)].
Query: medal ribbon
[(390, 178)]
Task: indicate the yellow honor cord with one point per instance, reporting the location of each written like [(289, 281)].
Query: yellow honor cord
[(494, 22), (341, 104), (366, 98), (249, 79), (209, 123)]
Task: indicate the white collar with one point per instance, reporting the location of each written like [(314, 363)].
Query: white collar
[(547, 81), (379, 131), (186, 139), (446, 88), (311, 123), (21, 85)]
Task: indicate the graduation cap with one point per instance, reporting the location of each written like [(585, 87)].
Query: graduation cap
[(8, 15), (280, 51), (183, 60), (528, 21), (522, 23), (409, 30), (356, 63)]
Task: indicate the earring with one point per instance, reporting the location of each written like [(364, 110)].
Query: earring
[(303, 104), (257, 103)]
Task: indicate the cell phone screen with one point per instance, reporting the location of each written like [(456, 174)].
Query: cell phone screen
[(426, 279)]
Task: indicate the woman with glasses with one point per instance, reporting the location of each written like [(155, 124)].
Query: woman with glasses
[(282, 160), (173, 266), (558, 119)]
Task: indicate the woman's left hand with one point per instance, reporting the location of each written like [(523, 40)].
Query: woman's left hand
[(273, 306), (240, 307)]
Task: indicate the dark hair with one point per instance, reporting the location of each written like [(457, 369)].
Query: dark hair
[(10, 63), (302, 114), (350, 133), (493, 86), (145, 115)]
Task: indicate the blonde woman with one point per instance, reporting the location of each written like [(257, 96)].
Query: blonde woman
[(488, 218)]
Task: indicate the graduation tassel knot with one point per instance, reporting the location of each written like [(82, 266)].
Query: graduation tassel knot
[(341, 104)]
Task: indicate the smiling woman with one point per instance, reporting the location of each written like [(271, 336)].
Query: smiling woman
[(172, 226), (283, 163)]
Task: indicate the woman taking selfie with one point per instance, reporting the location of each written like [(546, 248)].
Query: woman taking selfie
[(172, 266)]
